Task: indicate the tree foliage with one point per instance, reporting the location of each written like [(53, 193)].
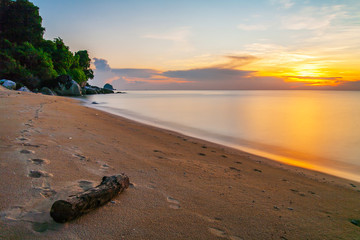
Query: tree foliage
[(28, 58)]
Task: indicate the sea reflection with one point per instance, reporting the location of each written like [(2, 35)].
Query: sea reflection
[(314, 129)]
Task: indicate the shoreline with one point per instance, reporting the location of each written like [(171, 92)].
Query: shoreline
[(308, 172), (183, 187), (337, 169)]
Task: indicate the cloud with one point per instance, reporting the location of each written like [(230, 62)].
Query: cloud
[(208, 74), (101, 64), (235, 61), (135, 72), (312, 18), (249, 27), (219, 77), (179, 37), (283, 3), (322, 78)]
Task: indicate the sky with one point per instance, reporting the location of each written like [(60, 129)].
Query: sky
[(212, 44)]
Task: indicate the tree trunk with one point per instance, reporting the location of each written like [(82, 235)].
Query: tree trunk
[(77, 205)]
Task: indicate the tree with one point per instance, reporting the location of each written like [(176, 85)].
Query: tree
[(62, 57), (20, 22), (84, 63), (26, 57), (25, 64)]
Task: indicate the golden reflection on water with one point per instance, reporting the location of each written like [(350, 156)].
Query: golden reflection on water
[(312, 129)]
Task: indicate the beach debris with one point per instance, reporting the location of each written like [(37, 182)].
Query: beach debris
[(355, 222), (202, 154), (79, 204), (353, 185), (257, 170)]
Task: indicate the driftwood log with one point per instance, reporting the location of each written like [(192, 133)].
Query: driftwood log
[(79, 204)]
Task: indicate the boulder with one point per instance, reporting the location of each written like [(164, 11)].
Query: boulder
[(108, 86), (8, 84), (47, 91), (67, 87), (24, 89), (90, 90), (106, 91)]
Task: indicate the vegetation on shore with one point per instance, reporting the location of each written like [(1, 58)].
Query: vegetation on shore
[(29, 59)]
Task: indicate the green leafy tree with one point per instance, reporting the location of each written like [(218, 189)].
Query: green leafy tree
[(84, 63), (20, 22), (25, 63), (26, 57), (62, 57)]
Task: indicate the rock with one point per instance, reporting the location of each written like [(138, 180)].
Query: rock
[(90, 90), (106, 91), (24, 89), (47, 91), (8, 84), (108, 86), (94, 102), (355, 222), (67, 87)]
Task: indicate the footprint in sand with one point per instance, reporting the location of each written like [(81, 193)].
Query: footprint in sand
[(104, 167), (39, 174), (81, 157), (31, 145), (235, 169), (85, 185), (25, 151), (175, 204), (22, 139), (46, 192), (38, 161), (220, 233)]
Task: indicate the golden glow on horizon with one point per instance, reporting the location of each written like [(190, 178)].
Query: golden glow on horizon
[(327, 73)]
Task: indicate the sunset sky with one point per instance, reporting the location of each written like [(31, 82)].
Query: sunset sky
[(213, 44)]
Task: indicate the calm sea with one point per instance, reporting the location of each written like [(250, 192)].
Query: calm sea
[(312, 129)]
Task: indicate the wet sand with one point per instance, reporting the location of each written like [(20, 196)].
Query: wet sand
[(182, 187)]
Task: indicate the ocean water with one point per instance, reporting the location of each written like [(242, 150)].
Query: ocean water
[(318, 130)]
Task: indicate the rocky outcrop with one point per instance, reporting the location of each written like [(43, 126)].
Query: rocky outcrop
[(88, 90), (8, 84), (24, 89), (47, 91), (63, 85), (67, 87), (106, 91), (108, 86)]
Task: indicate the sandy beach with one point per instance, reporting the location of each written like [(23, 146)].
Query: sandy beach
[(181, 187)]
